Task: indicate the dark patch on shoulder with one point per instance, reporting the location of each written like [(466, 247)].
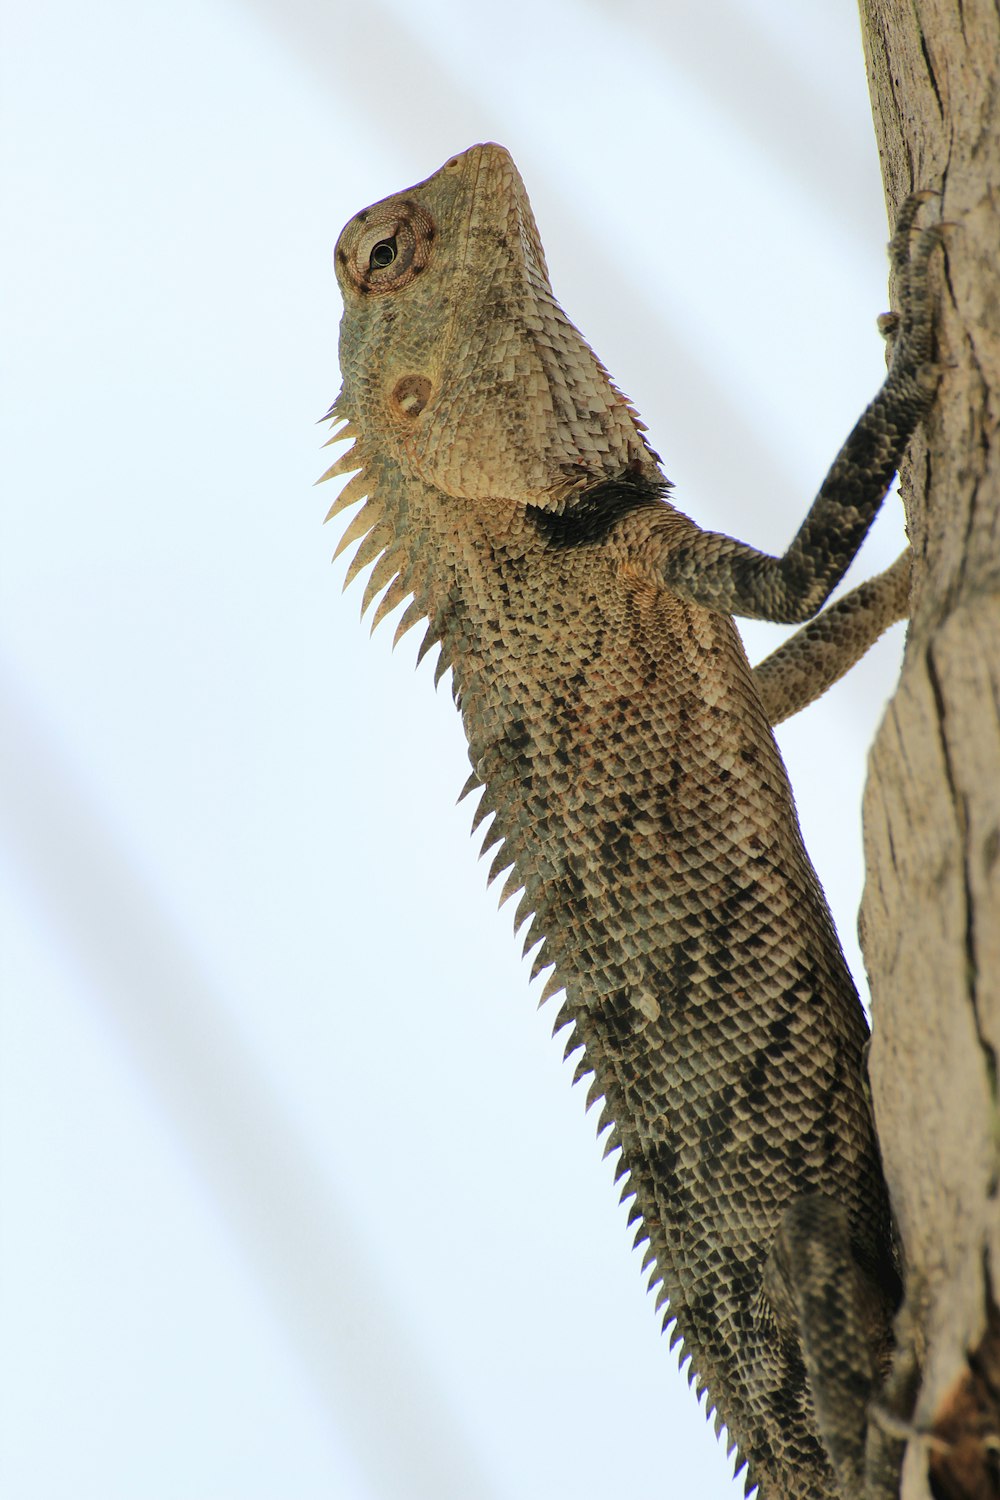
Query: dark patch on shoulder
[(589, 514)]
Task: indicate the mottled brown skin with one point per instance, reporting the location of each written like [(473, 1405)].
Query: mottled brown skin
[(616, 729)]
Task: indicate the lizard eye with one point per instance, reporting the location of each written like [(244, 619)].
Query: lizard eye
[(384, 247), (383, 254)]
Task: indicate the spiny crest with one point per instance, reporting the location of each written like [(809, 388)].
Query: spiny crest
[(384, 571), (376, 545), (511, 884), (483, 810), (573, 1045), (355, 489), (431, 638), (351, 459), (553, 985), (394, 594), (502, 860), (470, 786), (491, 838), (541, 960), (411, 614), (521, 915), (533, 935), (372, 546), (564, 1017), (359, 525)]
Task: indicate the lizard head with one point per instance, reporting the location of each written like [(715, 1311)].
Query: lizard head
[(458, 363)]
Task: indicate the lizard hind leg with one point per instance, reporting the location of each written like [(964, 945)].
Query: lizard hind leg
[(818, 1296)]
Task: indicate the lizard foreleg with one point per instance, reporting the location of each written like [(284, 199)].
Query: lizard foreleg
[(818, 655), (727, 575)]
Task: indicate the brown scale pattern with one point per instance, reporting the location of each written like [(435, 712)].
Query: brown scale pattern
[(640, 803)]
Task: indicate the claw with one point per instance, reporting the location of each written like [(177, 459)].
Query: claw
[(908, 210), (908, 330), (929, 238), (896, 1427), (940, 232)]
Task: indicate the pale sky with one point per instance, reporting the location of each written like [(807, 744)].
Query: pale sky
[(297, 1200)]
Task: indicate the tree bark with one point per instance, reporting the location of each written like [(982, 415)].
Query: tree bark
[(930, 920)]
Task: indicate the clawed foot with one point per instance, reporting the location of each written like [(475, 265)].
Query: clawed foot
[(909, 261), (910, 328)]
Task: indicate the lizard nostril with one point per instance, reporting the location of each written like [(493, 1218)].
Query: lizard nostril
[(411, 394)]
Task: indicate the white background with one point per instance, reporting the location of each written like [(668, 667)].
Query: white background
[(296, 1198)]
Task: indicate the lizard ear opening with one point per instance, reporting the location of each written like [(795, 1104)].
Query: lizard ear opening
[(411, 394)]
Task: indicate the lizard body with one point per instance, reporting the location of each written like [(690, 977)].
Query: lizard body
[(639, 802)]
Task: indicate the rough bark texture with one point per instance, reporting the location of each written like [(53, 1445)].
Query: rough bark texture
[(931, 910)]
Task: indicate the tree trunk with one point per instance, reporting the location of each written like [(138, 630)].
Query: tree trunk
[(930, 916)]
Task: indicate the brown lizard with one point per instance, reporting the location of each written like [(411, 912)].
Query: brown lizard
[(623, 746)]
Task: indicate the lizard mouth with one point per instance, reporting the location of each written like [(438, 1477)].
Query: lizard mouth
[(494, 183)]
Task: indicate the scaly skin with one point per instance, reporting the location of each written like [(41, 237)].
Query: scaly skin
[(620, 739)]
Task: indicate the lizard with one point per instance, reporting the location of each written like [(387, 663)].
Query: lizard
[(621, 746)]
